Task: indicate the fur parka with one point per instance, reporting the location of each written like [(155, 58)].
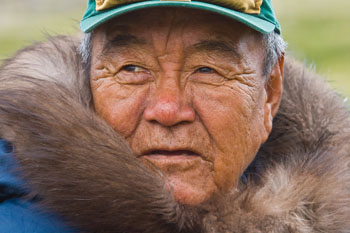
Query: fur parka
[(84, 171)]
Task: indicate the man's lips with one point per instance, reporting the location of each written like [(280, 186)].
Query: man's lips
[(175, 162), (170, 153), (170, 156)]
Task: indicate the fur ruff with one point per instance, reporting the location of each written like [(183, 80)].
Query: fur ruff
[(84, 171)]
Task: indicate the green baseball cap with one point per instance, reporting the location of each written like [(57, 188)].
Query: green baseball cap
[(257, 14)]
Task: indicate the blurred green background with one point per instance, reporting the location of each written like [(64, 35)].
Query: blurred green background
[(317, 31)]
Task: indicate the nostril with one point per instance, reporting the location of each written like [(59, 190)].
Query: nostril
[(170, 117), (153, 122), (169, 107), (163, 112)]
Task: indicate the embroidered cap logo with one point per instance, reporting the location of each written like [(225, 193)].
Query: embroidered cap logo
[(245, 6)]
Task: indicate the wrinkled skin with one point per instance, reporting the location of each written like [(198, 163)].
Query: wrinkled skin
[(186, 89)]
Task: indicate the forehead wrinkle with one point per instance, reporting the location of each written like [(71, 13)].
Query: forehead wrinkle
[(122, 41), (168, 36), (168, 45), (215, 46)]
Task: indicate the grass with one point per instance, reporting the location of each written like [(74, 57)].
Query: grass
[(317, 31), (17, 37), (24, 22)]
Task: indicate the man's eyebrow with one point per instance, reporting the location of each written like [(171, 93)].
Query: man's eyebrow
[(122, 40), (216, 46)]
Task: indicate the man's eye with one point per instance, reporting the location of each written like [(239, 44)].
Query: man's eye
[(133, 74), (133, 68), (205, 70), (207, 75)]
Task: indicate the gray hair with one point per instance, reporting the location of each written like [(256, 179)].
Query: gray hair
[(275, 47), (85, 52), (273, 42)]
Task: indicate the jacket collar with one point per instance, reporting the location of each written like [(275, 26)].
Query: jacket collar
[(81, 167)]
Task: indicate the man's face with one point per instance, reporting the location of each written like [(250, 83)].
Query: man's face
[(186, 89)]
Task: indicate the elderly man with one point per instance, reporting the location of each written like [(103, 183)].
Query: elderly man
[(164, 123)]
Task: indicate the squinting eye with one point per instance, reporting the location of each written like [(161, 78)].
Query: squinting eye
[(133, 75), (207, 75), (133, 68), (205, 70)]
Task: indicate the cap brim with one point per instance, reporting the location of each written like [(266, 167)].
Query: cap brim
[(252, 21)]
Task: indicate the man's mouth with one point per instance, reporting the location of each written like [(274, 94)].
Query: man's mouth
[(170, 153), (176, 162), (160, 156)]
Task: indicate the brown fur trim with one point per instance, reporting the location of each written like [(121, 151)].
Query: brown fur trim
[(81, 167), (85, 171), (300, 180)]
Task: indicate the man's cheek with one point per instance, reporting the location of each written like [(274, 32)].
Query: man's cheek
[(121, 106), (225, 114)]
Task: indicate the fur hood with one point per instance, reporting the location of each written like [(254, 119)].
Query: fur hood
[(84, 171)]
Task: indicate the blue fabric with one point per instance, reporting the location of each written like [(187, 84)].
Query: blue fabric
[(20, 215)]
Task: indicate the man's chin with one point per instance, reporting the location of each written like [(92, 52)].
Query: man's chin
[(186, 194), (190, 178)]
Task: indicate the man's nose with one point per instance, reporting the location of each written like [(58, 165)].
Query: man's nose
[(169, 106)]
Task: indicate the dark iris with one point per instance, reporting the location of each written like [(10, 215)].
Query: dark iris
[(205, 70), (131, 68)]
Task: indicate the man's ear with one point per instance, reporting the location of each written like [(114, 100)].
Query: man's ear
[(273, 88)]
